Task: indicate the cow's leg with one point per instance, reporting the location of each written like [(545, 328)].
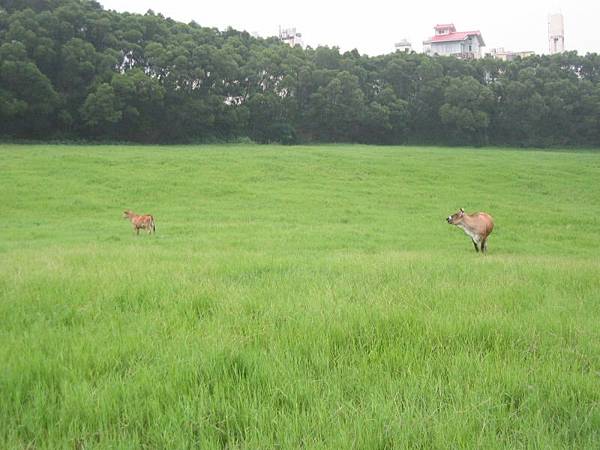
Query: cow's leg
[(484, 246), (475, 245), (137, 231)]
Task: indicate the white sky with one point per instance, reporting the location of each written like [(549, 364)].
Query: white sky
[(373, 26)]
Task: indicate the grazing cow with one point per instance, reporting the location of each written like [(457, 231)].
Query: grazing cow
[(140, 222), (477, 226)]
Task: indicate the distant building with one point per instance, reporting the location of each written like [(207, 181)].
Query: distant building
[(290, 37), (403, 46), (507, 55), (449, 42), (556, 33), (525, 53)]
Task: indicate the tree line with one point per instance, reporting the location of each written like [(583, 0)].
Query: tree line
[(70, 69)]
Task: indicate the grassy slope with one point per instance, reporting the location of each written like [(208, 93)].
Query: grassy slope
[(298, 296)]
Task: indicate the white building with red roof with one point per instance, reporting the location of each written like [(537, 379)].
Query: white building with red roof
[(449, 42)]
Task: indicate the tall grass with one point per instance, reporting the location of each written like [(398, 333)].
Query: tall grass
[(298, 297)]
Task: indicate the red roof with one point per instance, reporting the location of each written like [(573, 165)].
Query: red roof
[(457, 36)]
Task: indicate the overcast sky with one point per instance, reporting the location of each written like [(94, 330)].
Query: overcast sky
[(373, 26)]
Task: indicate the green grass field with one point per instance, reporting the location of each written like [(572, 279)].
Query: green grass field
[(298, 297)]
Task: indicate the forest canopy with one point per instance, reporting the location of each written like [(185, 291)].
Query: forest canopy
[(71, 70)]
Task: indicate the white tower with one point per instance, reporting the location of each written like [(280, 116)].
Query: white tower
[(290, 36), (556, 33)]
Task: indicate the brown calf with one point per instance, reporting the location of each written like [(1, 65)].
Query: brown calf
[(477, 226), (140, 222)]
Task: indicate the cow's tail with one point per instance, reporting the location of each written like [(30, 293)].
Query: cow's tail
[(152, 224)]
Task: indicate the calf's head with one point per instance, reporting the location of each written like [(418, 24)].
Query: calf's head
[(456, 218), (126, 214)]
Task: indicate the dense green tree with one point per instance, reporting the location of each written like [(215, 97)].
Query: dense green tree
[(69, 68), (466, 110), (338, 109), (101, 109), (27, 98), (141, 100)]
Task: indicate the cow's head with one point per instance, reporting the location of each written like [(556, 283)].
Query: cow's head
[(456, 218), (126, 214)]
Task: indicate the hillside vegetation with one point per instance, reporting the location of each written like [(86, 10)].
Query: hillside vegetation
[(71, 70), (298, 297)]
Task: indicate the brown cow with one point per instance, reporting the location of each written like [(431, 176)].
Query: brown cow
[(477, 226), (140, 222)]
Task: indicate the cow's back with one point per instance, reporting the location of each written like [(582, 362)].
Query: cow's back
[(142, 221), (487, 224)]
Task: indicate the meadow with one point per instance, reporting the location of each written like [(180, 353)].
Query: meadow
[(298, 297)]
